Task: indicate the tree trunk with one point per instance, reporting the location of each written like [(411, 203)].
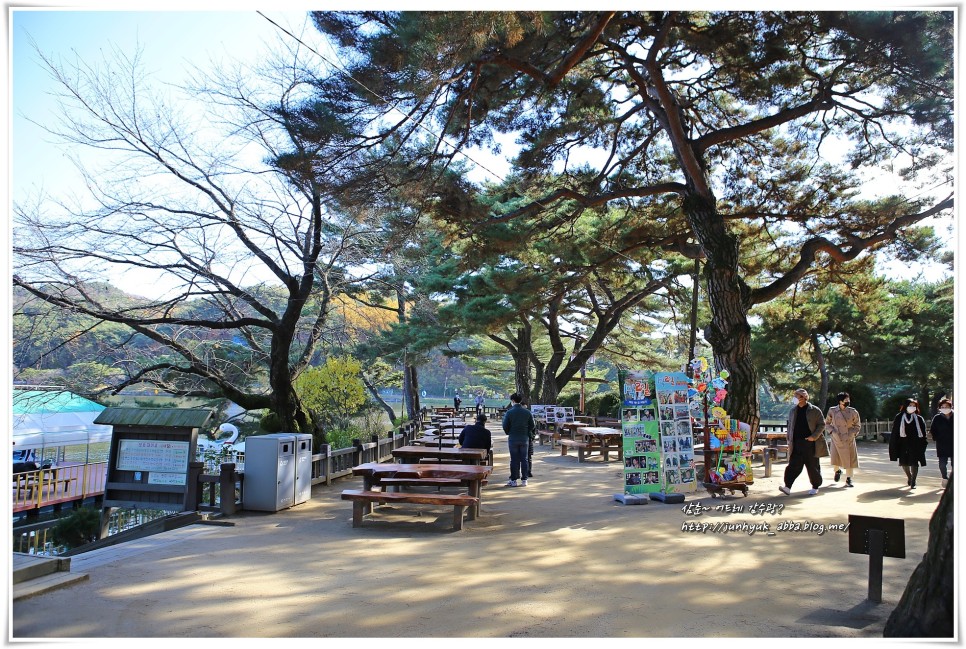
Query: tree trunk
[(284, 401), (693, 340), (521, 364), (378, 398), (823, 373), (926, 607), (414, 382), (549, 391), (728, 332), (410, 387)]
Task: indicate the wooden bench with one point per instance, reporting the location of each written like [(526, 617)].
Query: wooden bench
[(582, 448), (545, 435), (418, 482), (363, 499)]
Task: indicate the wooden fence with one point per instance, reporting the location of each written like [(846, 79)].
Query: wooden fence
[(871, 430)]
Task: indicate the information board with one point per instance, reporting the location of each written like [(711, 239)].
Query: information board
[(152, 455)]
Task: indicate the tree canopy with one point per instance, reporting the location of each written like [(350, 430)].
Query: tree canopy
[(702, 120)]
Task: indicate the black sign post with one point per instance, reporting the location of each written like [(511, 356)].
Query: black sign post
[(878, 538)]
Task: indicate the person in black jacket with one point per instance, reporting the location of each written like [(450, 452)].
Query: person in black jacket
[(908, 441), (941, 430), (476, 435)]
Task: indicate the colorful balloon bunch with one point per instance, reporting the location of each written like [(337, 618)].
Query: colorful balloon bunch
[(725, 435)]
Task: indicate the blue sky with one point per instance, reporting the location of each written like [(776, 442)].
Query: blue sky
[(171, 41)]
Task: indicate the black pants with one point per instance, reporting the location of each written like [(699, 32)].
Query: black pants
[(912, 472), (803, 456), (530, 459)]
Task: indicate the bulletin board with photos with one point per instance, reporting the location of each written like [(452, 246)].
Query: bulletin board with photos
[(550, 414), (658, 440)]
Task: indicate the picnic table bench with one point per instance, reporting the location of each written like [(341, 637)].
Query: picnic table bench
[(582, 447), (546, 435), (363, 500)]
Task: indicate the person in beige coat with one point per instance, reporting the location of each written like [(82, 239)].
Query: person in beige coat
[(844, 425)]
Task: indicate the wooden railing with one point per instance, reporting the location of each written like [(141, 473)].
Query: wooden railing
[(36, 489), (871, 430), (37, 538)]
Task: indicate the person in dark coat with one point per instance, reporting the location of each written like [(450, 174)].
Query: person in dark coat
[(476, 435), (941, 430), (908, 441), (805, 427), (519, 426)]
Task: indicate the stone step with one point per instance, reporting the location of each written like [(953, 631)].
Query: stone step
[(46, 583), (29, 566)]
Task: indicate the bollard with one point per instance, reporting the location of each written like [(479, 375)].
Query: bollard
[(193, 493), (326, 451), (226, 480)]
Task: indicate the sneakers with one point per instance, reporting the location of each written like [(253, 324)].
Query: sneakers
[(812, 492), (848, 482), (511, 483), (785, 490), (912, 486), (523, 483), (838, 474)]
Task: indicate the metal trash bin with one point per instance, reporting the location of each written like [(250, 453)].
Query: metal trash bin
[(303, 468), (269, 472)]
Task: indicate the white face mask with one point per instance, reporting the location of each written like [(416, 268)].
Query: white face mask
[(945, 411), (910, 409)]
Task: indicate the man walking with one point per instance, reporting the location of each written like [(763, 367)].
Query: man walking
[(805, 427), (519, 426)]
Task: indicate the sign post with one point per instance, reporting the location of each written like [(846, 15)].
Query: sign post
[(877, 537)]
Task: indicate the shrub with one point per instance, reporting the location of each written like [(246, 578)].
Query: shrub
[(78, 528)]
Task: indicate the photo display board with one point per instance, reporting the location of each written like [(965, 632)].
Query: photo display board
[(551, 414), (658, 442)]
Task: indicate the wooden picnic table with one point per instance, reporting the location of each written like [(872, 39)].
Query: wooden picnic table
[(570, 426), (773, 444), (430, 440), (603, 440), (451, 455), (374, 474)]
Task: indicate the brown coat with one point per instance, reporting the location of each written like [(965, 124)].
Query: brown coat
[(844, 426)]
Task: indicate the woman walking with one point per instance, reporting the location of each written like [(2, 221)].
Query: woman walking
[(908, 441), (941, 430), (844, 424)]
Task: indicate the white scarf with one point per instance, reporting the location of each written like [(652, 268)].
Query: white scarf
[(906, 420)]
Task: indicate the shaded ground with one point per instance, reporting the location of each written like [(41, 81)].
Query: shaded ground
[(559, 558)]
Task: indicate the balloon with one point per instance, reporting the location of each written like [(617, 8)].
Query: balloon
[(691, 392), (718, 413), (724, 374), (702, 387)]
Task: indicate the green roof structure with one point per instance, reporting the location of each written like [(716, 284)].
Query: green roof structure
[(156, 417)]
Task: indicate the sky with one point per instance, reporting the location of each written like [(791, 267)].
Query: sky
[(171, 42)]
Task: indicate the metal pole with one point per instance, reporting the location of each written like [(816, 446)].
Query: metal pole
[(876, 551)]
